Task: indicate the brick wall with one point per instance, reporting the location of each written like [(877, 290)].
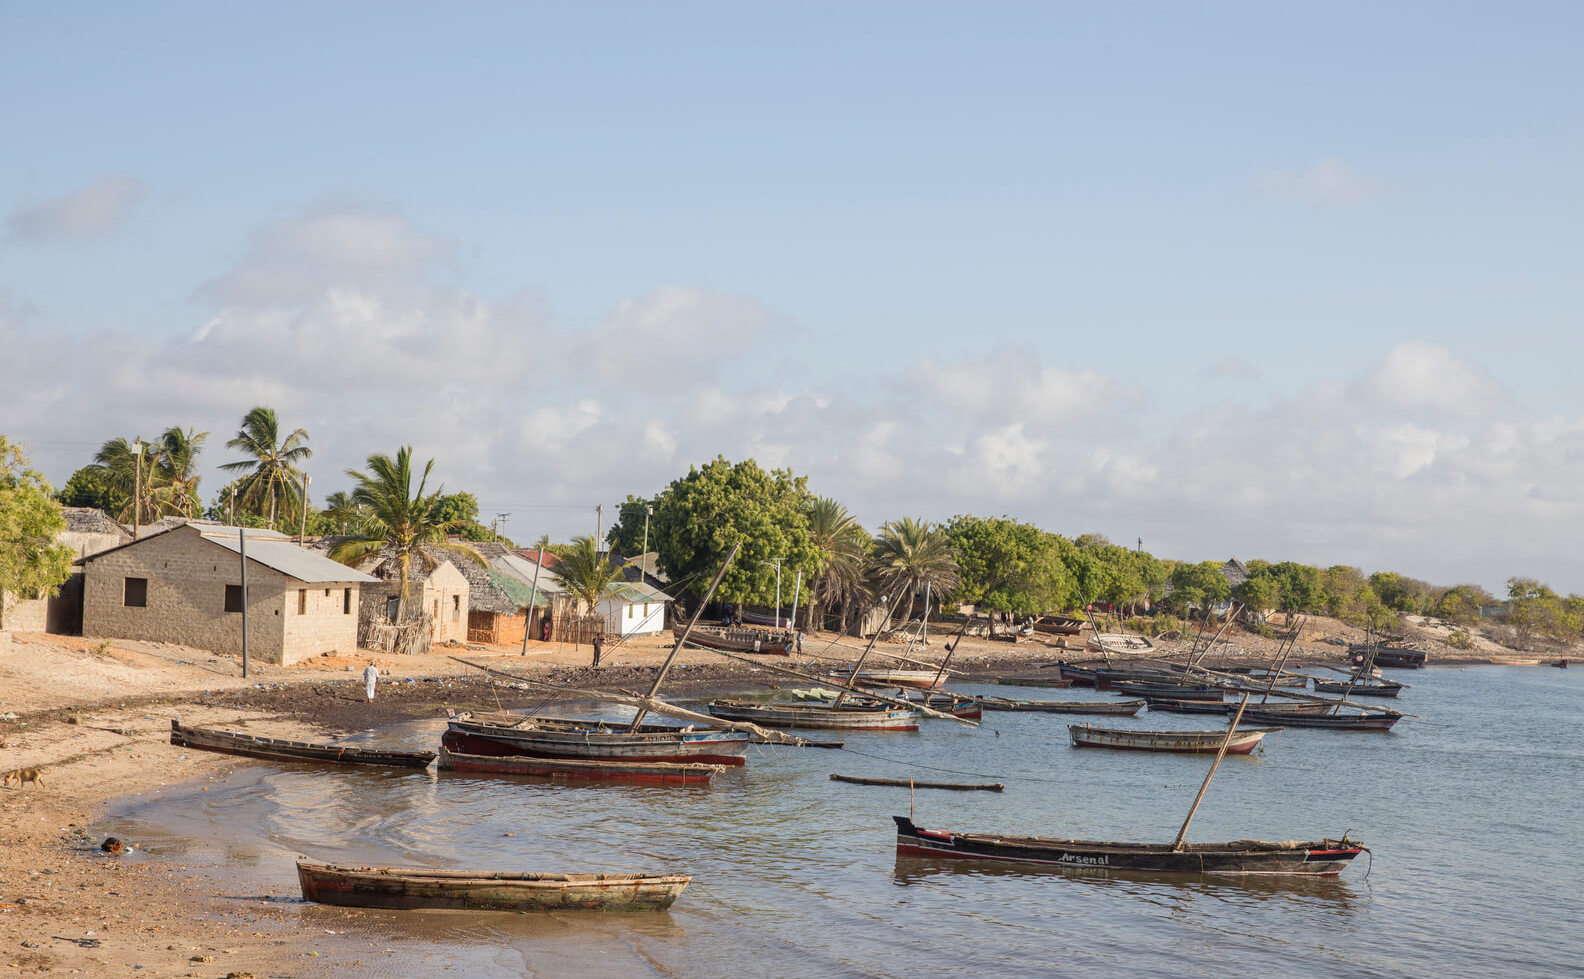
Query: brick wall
[(187, 578)]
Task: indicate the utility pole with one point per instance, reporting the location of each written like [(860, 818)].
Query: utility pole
[(648, 512), (242, 550), (302, 529), (137, 489), (599, 525), (533, 599), (498, 529)]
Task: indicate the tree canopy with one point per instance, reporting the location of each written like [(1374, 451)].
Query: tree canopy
[(32, 565), (1006, 566)]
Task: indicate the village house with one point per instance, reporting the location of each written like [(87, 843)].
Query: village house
[(439, 592), (184, 585), (498, 602), (88, 531)]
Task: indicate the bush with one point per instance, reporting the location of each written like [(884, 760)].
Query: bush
[(1460, 640), (1153, 625)]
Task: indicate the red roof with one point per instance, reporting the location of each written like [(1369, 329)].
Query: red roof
[(546, 560)]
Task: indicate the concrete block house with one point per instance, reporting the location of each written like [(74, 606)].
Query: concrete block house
[(184, 585)]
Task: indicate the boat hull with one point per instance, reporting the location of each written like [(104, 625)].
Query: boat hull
[(1125, 708), (386, 887), (917, 679), (1359, 689), (751, 641), (1171, 691), (598, 743), (280, 749), (580, 770), (1325, 858), (1242, 742), (811, 716), (1330, 722)]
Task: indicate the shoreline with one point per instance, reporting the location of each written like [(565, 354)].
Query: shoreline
[(66, 907)]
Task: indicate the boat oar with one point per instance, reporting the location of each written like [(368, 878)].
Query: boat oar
[(1177, 844)]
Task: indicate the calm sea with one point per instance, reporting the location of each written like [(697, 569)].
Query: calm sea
[(1474, 810)]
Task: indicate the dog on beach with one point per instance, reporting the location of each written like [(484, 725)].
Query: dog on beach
[(20, 776)]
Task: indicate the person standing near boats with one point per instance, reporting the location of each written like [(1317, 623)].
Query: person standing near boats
[(599, 646), (370, 677)]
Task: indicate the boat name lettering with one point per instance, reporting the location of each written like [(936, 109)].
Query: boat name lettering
[(1076, 858)]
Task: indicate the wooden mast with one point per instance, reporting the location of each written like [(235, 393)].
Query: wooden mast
[(666, 666), (1177, 844), (853, 676)]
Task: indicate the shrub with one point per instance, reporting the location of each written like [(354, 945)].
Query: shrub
[(1460, 639)]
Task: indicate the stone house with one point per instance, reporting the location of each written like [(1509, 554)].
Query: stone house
[(440, 592), (184, 585), (88, 531)]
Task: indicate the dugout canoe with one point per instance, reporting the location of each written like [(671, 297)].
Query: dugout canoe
[(918, 679), (820, 716), (1321, 858), (1172, 691), (580, 770), (280, 749), (1123, 708), (500, 733), (754, 641), (1363, 688), (413, 888), (1172, 706), (1243, 740), (1373, 721)]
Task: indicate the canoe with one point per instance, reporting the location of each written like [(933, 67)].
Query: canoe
[(1117, 642), (919, 679), (411, 887), (597, 740), (1244, 740), (279, 749), (1373, 688), (1172, 691), (760, 641), (1334, 722), (1393, 657), (1059, 625), (1122, 708), (1033, 680), (1322, 858), (577, 769), (1167, 705), (823, 716)]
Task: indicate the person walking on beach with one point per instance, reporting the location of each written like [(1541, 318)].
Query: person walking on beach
[(599, 644), (370, 675)]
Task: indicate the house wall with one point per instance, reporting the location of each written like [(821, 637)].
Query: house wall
[(84, 544), (497, 628), (23, 614), (329, 621), (186, 576), (634, 619), (445, 598)]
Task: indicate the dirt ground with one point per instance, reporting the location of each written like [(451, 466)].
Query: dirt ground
[(94, 718)]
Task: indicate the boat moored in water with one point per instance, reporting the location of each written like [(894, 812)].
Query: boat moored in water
[(280, 749), (1242, 741), (414, 888)]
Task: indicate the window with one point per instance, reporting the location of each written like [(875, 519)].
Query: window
[(456, 608), (136, 594), (346, 601), (302, 601), (233, 599), (392, 606)]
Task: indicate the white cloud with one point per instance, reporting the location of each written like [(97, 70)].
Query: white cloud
[(1012, 386), (676, 334), (1330, 181), (93, 210), (1417, 375), (1230, 366)]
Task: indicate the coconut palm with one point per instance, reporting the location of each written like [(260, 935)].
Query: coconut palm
[(175, 469), (346, 515), (399, 518), (910, 554), (120, 462), (163, 478), (842, 545), (272, 472), (586, 572)]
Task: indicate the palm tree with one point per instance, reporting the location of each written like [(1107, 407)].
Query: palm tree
[(586, 572), (272, 473), (347, 516), (911, 554), (842, 545), (175, 471), (120, 463), (399, 518)]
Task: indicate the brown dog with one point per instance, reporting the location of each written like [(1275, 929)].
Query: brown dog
[(22, 776)]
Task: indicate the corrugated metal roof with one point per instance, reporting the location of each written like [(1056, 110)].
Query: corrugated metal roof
[(287, 558), (523, 570), (633, 591)]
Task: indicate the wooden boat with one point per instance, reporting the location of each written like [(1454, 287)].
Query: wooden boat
[(1119, 642), (1123, 708), (957, 705), (1323, 858), (501, 733), (823, 716), (1264, 678), (739, 640), (1034, 680), (408, 888), (908, 783), (279, 749), (1363, 688), (1107, 677), (1243, 740), (1381, 721), (577, 769), (1392, 657), (1170, 706), (1172, 691), (918, 679), (1079, 674), (1058, 625)]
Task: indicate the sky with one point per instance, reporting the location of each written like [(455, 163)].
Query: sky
[(1267, 280)]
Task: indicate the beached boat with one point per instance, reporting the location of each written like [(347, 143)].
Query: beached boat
[(1373, 721), (411, 887), (1323, 858), (1362, 688), (957, 705), (1243, 740), (762, 641), (1173, 691), (1121, 708), (823, 716), (577, 769), (1119, 643), (500, 733), (918, 679), (1079, 674), (1047, 680), (1058, 625), (280, 749)]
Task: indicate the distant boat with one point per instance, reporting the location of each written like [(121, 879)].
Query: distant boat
[(412, 888), (499, 733), (1392, 657), (1122, 708), (1323, 858), (1242, 742), (1171, 706), (1362, 688), (920, 679), (821, 716), (280, 749), (1034, 680), (1177, 691), (1372, 721), (739, 640), (579, 769), (1120, 642), (1058, 625)]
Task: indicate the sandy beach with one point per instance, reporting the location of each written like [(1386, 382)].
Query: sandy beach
[(94, 718)]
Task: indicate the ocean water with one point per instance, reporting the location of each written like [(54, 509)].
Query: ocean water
[(1472, 810)]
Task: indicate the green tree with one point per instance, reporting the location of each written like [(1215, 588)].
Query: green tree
[(175, 472), (910, 554), (32, 565), (1258, 593), (270, 474), (1200, 585), (698, 517), (400, 518), (130, 474), (1534, 609), (1400, 593), (91, 486), (586, 572), (1460, 604), (843, 548), (1006, 566), (626, 535)]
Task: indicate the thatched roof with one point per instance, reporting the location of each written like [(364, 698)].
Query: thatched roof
[(91, 520)]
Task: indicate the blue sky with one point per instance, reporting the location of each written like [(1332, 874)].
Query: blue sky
[(1239, 278)]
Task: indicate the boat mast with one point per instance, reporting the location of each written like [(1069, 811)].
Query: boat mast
[(1177, 844), (666, 666), (1282, 659), (853, 676), (951, 648)]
